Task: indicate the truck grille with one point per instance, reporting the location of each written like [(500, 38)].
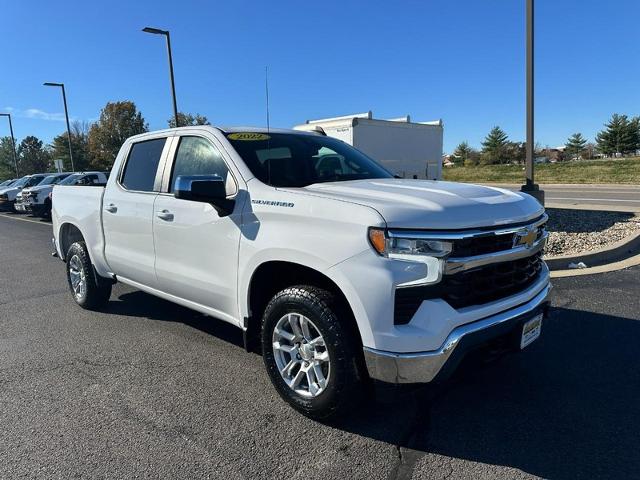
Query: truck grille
[(491, 282), (474, 287)]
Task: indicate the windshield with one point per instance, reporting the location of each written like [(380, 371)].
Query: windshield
[(298, 160), (21, 183), (52, 179), (71, 179), (6, 183), (33, 181)]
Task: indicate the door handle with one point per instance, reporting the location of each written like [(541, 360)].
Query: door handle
[(165, 215), (111, 208)]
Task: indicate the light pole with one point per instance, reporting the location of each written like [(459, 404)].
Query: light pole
[(530, 186), (66, 115), (157, 31), (13, 141)]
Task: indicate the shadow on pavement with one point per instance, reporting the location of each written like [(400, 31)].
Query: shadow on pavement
[(141, 304), (566, 407)]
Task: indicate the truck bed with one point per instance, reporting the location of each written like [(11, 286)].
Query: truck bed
[(80, 206)]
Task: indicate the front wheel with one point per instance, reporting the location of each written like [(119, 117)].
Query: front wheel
[(87, 289), (310, 353)]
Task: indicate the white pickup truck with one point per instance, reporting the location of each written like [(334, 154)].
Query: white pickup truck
[(340, 273)]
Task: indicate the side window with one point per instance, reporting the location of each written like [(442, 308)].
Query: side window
[(140, 171), (197, 156)]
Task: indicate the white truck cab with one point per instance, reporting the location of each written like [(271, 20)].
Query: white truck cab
[(338, 272)]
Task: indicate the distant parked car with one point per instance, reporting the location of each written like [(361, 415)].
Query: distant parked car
[(8, 194), (7, 183), (35, 200)]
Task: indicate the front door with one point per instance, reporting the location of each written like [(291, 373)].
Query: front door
[(197, 248)]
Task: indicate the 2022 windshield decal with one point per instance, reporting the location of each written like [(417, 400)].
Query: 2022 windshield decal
[(273, 203)]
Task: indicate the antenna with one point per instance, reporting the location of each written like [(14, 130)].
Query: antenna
[(266, 89)]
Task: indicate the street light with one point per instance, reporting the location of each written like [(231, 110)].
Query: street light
[(157, 31), (530, 186), (13, 141), (66, 115)]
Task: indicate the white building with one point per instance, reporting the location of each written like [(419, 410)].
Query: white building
[(408, 149)]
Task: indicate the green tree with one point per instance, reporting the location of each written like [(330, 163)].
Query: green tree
[(634, 126), (462, 153), (7, 167), (187, 120), (515, 152), (494, 147), (79, 144), (32, 156), (575, 145), (118, 121), (619, 136)]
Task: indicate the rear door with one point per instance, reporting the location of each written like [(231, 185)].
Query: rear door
[(196, 247), (128, 212)]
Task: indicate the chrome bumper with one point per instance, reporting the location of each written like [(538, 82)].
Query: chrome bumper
[(423, 367)]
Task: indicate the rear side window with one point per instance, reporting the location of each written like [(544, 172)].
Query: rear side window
[(197, 156), (140, 171)]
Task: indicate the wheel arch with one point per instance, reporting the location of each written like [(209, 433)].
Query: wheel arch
[(69, 234), (272, 276)]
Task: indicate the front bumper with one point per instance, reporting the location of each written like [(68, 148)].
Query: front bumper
[(424, 367), (35, 208), (6, 205)]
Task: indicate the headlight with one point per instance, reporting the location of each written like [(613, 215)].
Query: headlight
[(401, 247), (431, 253)]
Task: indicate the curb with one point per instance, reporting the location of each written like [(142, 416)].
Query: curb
[(610, 267), (616, 252)]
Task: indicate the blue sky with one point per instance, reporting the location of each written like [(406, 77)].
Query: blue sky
[(459, 60)]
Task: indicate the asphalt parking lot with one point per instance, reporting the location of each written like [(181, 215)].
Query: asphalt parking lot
[(150, 389)]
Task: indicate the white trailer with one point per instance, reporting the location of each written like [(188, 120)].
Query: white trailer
[(408, 149)]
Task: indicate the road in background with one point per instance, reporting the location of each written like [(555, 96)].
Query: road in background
[(149, 389), (616, 196)]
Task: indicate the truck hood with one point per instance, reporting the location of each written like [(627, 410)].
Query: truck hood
[(428, 204), (10, 190)]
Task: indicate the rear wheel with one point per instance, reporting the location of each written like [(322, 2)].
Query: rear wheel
[(310, 353), (88, 290)]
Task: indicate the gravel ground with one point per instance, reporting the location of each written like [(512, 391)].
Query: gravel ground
[(576, 231)]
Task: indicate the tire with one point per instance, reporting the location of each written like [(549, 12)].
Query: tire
[(342, 384), (46, 212), (87, 289)]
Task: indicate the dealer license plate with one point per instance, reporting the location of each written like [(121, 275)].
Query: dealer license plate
[(531, 330)]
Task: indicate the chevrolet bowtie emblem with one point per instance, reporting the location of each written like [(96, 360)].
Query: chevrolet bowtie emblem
[(525, 238)]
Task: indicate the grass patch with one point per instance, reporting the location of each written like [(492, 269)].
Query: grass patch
[(626, 170)]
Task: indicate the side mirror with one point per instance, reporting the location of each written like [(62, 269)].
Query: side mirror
[(206, 189)]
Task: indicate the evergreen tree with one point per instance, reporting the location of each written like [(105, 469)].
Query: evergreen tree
[(188, 120), (619, 136), (462, 153), (7, 166), (634, 126), (494, 147), (575, 145), (118, 121), (32, 156)]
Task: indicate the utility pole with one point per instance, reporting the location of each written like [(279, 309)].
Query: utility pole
[(530, 186), (157, 31), (66, 115), (13, 142)]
